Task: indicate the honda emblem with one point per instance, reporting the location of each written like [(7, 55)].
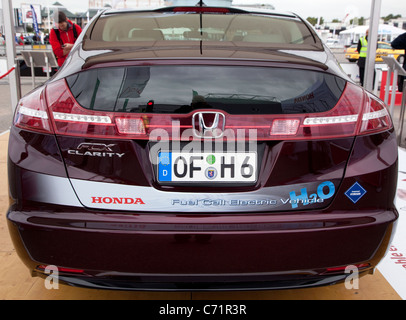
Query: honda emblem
[(207, 124)]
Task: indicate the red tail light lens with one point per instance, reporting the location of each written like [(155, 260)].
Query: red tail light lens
[(201, 10), (358, 112), (375, 116), (69, 118), (341, 121), (32, 114)]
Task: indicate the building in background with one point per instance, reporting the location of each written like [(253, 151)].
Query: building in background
[(398, 23), (47, 14), (386, 33), (98, 3)]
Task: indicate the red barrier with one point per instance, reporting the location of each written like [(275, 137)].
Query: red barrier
[(398, 98), (7, 73)]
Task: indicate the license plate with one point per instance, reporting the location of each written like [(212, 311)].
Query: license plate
[(207, 167)]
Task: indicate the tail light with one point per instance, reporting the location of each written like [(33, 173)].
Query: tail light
[(32, 113), (69, 118), (201, 9), (375, 116), (356, 113)]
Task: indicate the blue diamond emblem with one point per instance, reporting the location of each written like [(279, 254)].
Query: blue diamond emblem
[(356, 192)]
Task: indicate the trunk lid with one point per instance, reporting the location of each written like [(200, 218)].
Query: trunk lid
[(206, 138)]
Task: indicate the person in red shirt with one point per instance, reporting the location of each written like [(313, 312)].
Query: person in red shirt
[(68, 33)]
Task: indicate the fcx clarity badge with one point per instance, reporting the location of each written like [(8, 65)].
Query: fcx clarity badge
[(356, 192)]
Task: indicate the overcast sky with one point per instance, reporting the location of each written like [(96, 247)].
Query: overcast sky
[(328, 9)]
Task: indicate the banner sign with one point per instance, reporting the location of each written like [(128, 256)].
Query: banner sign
[(34, 20), (27, 12)]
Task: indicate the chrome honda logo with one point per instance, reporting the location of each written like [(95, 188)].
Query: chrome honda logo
[(208, 124)]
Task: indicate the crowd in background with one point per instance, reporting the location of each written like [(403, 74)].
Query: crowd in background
[(27, 39)]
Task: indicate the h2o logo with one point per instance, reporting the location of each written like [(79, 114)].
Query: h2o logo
[(325, 190)]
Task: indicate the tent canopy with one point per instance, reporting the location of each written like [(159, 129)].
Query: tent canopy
[(383, 29), (385, 33)]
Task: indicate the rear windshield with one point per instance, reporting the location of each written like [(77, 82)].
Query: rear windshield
[(158, 26), (182, 89)]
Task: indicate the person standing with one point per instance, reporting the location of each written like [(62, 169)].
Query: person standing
[(362, 49), (63, 37), (400, 43), (362, 61)]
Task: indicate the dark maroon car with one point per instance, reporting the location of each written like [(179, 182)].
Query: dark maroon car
[(201, 148)]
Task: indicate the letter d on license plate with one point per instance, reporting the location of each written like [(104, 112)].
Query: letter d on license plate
[(207, 167)]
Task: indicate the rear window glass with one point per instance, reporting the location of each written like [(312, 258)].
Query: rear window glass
[(182, 89), (132, 27)]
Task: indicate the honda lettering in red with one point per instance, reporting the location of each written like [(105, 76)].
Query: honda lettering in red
[(114, 200)]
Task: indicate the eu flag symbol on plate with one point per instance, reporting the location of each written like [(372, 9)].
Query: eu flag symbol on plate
[(165, 166)]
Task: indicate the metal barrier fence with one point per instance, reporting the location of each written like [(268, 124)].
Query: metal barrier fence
[(26, 47), (39, 58), (395, 70)]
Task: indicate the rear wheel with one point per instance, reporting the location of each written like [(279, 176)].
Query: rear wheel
[(401, 59)]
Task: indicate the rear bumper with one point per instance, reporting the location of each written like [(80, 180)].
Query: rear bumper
[(200, 252), (207, 283)]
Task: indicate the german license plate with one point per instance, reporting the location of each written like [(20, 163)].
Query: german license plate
[(207, 167)]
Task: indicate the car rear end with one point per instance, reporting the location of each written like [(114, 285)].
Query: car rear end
[(210, 155), (351, 53)]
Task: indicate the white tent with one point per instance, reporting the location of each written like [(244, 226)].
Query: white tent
[(385, 33)]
